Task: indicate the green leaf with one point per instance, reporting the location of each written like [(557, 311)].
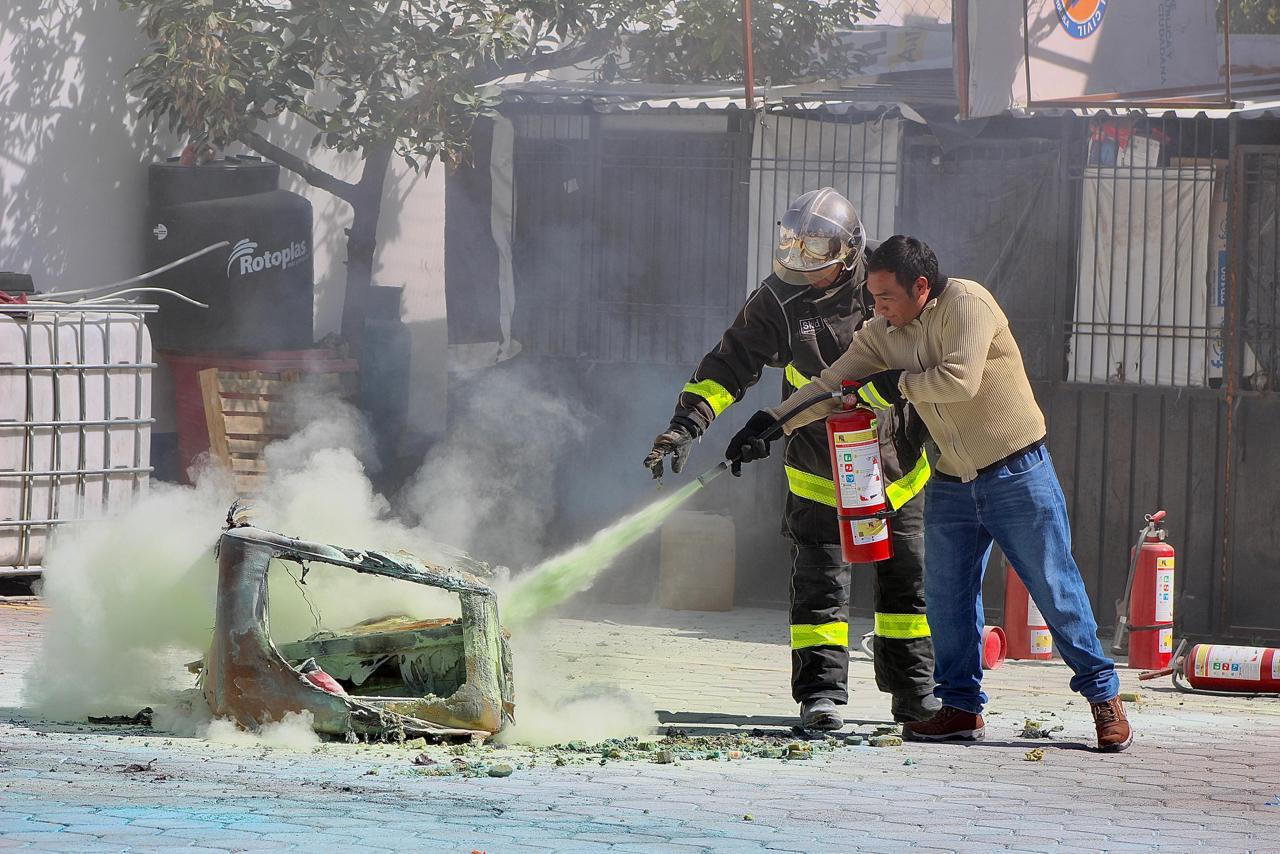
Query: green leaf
[(299, 77)]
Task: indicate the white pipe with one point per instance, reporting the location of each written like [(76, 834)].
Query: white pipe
[(114, 295), (157, 271)]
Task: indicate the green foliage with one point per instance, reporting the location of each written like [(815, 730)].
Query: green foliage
[(792, 41), (364, 74), (1252, 16), (411, 73)]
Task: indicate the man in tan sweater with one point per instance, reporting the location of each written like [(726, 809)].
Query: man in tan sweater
[(944, 345)]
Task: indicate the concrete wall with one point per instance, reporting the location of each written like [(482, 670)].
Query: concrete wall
[(73, 182)]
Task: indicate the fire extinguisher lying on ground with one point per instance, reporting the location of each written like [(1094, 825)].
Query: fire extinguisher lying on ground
[(1233, 671), (1146, 611)]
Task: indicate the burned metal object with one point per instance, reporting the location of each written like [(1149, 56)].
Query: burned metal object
[(454, 675)]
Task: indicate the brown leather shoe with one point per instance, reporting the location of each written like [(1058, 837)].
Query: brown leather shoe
[(947, 724), (1114, 733)]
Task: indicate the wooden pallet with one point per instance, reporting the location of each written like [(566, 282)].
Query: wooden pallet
[(247, 410)]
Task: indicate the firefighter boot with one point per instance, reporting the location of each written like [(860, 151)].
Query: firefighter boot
[(820, 714), (1114, 733), (914, 707)]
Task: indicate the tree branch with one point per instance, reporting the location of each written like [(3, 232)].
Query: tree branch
[(590, 49), (314, 176)]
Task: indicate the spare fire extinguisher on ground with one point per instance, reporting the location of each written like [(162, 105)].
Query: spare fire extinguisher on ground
[(1212, 668), (1146, 611), (861, 507), (1025, 628)]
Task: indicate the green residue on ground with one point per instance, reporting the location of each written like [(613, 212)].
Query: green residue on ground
[(556, 579)]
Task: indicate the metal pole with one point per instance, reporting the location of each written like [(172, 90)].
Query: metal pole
[(748, 71), (1231, 345), (1026, 50), (1226, 44), (960, 50)]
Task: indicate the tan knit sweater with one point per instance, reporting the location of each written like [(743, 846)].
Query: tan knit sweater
[(963, 372)]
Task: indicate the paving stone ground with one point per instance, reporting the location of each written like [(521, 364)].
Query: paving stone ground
[(1203, 775)]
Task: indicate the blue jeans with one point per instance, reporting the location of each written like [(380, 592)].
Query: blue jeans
[(1021, 507)]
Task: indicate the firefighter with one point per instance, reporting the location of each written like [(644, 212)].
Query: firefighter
[(800, 319)]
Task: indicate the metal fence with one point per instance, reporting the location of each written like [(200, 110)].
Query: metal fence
[(793, 152), (1151, 251), (1259, 254)]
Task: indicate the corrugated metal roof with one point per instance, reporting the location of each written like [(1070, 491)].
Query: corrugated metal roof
[(924, 87), (1253, 98)]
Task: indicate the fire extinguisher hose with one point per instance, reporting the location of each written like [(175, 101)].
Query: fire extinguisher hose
[(772, 432)]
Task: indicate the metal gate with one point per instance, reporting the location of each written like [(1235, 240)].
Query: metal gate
[(630, 244), (1055, 214)]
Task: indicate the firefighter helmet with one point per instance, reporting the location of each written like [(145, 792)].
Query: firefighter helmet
[(820, 228)]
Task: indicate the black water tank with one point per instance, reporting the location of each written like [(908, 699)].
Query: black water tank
[(260, 288)]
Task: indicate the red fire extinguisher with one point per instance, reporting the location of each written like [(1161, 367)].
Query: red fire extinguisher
[(860, 496), (1024, 625), (1146, 611), (1212, 668)]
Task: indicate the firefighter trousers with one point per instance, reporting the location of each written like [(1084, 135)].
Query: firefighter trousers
[(820, 581)]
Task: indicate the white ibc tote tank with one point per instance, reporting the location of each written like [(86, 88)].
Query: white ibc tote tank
[(75, 420)]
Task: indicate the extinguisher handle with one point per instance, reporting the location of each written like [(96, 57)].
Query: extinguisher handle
[(848, 394), (1156, 517), (887, 513)]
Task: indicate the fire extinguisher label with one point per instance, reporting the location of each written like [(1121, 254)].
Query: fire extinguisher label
[(1166, 640), (1034, 617), (859, 477), (1041, 641), (1164, 593), (868, 531), (1229, 662)]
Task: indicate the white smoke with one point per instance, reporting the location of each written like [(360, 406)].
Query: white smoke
[(489, 487), (549, 710), (131, 599)]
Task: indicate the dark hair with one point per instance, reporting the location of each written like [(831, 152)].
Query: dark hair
[(908, 258)]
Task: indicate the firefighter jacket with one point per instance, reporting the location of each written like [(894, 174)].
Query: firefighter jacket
[(802, 330)]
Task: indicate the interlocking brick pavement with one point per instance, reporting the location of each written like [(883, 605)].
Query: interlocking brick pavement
[(1199, 777)]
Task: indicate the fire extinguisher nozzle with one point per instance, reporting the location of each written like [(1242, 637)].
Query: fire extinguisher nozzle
[(712, 473)]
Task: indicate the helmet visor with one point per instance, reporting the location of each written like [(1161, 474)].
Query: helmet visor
[(808, 241)]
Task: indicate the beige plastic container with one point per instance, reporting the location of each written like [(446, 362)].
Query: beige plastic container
[(696, 571)]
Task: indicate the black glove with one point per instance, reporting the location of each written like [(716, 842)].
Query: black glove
[(880, 391), (749, 443), (677, 441)]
